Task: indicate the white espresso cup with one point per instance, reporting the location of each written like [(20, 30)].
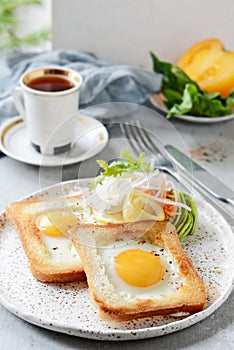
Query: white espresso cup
[(47, 99)]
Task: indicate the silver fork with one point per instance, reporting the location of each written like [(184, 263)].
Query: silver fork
[(138, 133), (140, 140)]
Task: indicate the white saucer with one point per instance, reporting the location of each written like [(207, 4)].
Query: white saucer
[(157, 101), (91, 137)]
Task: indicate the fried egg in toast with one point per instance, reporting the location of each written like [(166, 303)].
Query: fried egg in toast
[(138, 270)]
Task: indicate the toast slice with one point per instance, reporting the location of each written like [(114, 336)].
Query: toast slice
[(52, 258), (180, 290)]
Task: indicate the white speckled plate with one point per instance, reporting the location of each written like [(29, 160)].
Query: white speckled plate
[(157, 101), (90, 138), (66, 307)]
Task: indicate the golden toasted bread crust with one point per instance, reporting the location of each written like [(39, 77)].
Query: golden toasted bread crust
[(190, 297), (22, 216)]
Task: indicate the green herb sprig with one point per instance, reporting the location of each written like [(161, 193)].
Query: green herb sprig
[(127, 164)]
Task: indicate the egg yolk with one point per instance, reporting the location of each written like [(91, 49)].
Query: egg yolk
[(139, 268), (56, 224)]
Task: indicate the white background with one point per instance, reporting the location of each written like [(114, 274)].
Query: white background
[(124, 31)]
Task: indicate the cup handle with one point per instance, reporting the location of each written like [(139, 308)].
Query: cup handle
[(17, 96)]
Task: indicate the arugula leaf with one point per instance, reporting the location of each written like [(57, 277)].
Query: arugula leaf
[(104, 165), (128, 165), (127, 155), (183, 95), (139, 163), (190, 96), (173, 77)]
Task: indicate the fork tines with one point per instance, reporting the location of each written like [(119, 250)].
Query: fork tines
[(138, 138)]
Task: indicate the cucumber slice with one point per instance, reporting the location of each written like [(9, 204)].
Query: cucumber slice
[(186, 227), (187, 230), (180, 210), (183, 222), (193, 206)]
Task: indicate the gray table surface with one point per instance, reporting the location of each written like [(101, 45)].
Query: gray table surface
[(213, 147)]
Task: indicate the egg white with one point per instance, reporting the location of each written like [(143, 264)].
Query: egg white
[(61, 248), (172, 280)]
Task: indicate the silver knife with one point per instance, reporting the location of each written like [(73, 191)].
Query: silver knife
[(201, 176)]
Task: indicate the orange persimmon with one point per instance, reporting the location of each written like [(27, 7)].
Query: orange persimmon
[(205, 45), (207, 63)]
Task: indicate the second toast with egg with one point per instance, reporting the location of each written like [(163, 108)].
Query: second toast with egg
[(138, 270), (39, 224)]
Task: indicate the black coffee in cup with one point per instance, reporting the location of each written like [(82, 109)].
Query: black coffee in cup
[(50, 83), (48, 99)]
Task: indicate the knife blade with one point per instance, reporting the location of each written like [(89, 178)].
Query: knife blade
[(201, 176)]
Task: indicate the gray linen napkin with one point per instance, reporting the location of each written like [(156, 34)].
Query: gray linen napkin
[(102, 83)]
